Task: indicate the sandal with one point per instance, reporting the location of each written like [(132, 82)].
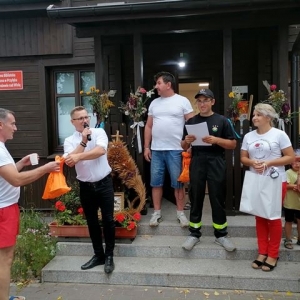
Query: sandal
[(16, 298), (257, 264), (270, 267), (288, 244)]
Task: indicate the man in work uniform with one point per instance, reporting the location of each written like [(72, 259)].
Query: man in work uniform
[(208, 165)]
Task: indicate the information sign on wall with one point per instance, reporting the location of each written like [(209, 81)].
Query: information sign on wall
[(11, 80)]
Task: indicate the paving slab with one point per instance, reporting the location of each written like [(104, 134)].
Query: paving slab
[(73, 291)]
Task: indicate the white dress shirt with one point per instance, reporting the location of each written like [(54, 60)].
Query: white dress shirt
[(90, 170)]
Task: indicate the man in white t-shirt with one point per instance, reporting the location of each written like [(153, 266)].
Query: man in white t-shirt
[(163, 132), (86, 150), (10, 181)]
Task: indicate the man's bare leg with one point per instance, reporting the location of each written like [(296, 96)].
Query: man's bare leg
[(180, 202), (180, 198), (6, 259), (157, 193), (156, 197)]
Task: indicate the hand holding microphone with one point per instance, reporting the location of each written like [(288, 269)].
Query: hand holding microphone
[(86, 125)]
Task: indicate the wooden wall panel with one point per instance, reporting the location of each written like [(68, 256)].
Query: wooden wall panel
[(83, 47), (34, 36)]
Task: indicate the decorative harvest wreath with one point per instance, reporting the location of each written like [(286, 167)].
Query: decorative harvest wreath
[(126, 169)]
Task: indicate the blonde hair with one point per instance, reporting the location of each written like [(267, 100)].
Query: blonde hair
[(76, 108), (266, 110)]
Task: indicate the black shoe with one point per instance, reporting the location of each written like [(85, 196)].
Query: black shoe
[(109, 265), (93, 262)]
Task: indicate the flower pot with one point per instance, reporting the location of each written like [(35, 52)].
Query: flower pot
[(82, 231)]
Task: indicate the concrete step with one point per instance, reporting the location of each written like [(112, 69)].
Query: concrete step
[(172, 228), (155, 258), (170, 247), (177, 272)]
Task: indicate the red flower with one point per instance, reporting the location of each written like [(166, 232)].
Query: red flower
[(137, 216), (131, 225), (142, 90), (273, 87), (120, 217), (60, 206), (80, 210)]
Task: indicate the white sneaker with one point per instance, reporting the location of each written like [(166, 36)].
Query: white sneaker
[(190, 242), (184, 222), (155, 219), (225, 242)]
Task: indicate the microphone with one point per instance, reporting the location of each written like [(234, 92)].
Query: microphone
[(86, 125)]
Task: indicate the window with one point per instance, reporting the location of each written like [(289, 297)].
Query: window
[(67, 87)]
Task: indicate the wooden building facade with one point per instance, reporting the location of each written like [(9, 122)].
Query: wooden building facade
[(64, 46)]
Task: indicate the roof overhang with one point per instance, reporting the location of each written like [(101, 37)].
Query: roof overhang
[(177, 16), (161, 9), (17, 8)]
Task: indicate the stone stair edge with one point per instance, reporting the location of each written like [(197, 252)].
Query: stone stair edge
[(203, 273), (158, 246)]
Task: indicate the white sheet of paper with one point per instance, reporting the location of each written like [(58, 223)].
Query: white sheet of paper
[(199, 130)]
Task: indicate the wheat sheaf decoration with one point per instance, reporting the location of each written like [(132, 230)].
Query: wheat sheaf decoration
[(123, 164)]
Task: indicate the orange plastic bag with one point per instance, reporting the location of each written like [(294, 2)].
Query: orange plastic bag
[(56, 183), (185, 174)]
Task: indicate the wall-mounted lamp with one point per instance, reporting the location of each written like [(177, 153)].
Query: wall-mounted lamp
[(204, 84), (182, 60)]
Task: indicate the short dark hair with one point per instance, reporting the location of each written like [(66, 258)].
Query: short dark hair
[(167, 77), (4, 113)]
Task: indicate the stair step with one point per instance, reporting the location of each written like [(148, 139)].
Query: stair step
[(155, 258), (170, 246), (177, 272)]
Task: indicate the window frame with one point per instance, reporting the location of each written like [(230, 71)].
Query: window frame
[(54, 145)]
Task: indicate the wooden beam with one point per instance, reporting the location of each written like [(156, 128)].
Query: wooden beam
[(180, 25), (227, 78), (138, 60), (263, 56), (227, 65), (283, 57), (294, 99), (99, 63)]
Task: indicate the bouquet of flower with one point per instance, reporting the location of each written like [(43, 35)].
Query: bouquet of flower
[(238, 105), (100, 103), (278, 100), (135, 107), (126, 220)]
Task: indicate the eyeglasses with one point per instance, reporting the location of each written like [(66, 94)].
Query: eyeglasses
[(82, 118), (203, 101)]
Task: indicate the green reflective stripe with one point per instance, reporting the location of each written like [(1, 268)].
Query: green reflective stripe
[(195, 225), (218, 226)]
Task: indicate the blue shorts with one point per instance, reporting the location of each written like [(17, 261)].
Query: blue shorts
[(162, 160)]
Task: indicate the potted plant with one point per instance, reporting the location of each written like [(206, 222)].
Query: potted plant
[(69, 219)]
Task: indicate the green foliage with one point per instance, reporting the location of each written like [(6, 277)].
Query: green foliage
[(68, 210), (34, 248)]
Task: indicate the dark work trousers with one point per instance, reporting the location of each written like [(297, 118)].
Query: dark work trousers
[(210, 168), (94, 196)]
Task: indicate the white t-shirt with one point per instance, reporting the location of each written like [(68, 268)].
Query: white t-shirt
[(9, 194), (94, 169), (168, 121), (266, 147)]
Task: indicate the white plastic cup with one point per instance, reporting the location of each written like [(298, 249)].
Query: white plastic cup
[(34, 159)]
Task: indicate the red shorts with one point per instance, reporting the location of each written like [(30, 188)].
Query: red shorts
[(9, 225)]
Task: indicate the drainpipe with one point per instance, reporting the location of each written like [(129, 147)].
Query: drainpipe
[(295, 99)]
